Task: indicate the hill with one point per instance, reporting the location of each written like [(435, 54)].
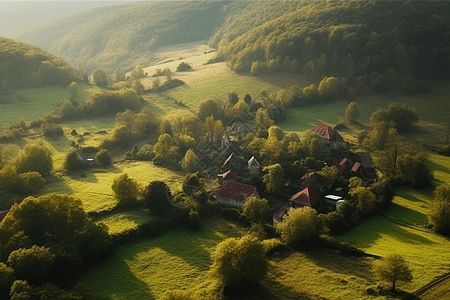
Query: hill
[(45, 34), (378, 45), (129, 35), (24, 65)]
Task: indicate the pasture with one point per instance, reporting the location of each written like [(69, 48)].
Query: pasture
[(93, 186), (121, 221), (401, 229)]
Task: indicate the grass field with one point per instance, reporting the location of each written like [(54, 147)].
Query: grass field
[(122, 221), (146, 270), (38, 102), (401, 230), (93, 186)]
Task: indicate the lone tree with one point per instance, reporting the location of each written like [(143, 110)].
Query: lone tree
[(233, 98), (239, 260), (352, 112), (157, 198), (393, 268), (35, 157), (126, 190)]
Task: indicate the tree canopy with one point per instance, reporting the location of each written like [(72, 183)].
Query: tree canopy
[(393, 268)]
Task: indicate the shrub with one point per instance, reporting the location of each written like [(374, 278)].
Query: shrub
[(255, 209), (103, 158), (31, 181), (273, 245), (183, 67), (34, 157), (50, 129), (157, 198), (74, 161)]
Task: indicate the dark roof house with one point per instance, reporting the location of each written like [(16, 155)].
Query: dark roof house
[(331, 137), (234, 194), (309, 196)]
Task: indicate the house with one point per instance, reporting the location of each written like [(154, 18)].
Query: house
[(331, 138), (234, 194), (279, 215), (253, 166), (227, 176), (233, 162), (309, 196), (316, 180), (3, 214)]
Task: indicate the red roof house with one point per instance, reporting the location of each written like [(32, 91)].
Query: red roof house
[(233, 193), (330, 136), (309, 196)]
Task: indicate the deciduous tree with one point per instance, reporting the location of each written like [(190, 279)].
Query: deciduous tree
[(393, 268), (100, 78), (352, 112), (35, 157), (126, 190), (273, 179), (255, 209)]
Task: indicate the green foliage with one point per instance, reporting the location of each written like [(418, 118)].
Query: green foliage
[(207, 108), (103, 158), (401, 116), (33, 264), (330, 173), (354, 182), (74, 161), (138, 72), (238, 260), (6, 280), (50, 218), (273, 179), (393, 268), (50, 129), (182, 67), (31, 182), (23, 65), (193, 184), (20, 290), (440, 209), (301, 227), (328, 87), (110, 102), (165, 150), (189, 161), (255, 209), (352, 112), (34, 157), (233, 98), (365, 201), (382, 53), (126, 190), (100, 78), (157, 198), (313, 144)]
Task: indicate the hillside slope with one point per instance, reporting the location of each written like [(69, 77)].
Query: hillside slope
[(24, 65), (129, 35), (381, 45), (45, 34)]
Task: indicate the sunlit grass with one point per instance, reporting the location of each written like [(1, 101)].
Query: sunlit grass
[(122, 221)]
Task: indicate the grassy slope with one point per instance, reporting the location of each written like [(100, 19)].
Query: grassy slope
[(122, 221), (93, 187), (402, 231), (146, 270)]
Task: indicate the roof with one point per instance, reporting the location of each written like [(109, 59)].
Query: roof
[(233, 158), (281, 212), (3, 214), (252, 162), (229, 175), (339, 166), (198, 153), (315, 178), (366, 160), (328, 133), (236, 191), (309, 196), (356, 167)]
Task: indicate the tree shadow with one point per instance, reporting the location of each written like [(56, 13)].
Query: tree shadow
[(55, 184), (267, 290), (83, 176), (406, 215)]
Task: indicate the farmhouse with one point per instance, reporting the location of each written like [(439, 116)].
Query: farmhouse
[(279, 215), (331, 138), (233, 162), (234, 193), (227, 176), (309, 196)]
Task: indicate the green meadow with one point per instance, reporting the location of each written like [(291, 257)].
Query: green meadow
[(93, 186), (401, 229), (121, 221)]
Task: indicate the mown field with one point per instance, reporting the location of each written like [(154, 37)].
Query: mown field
[(401, 229)]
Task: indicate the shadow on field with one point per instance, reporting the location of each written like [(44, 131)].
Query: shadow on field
[(406, 215), (270, 289), (83, 176), (438, 167), (59, 143)]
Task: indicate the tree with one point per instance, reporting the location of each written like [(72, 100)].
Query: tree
[(165, 149), (354, 182), (126, 190), (100, 78), (328, 87), (118, 75), (329, 172), (6, 280), (239, 260), (207, 108), (313, 144), (352, 112), (103, 158), (193, 184), (393, 268), (33, 264), (138, 87), (365, 201), (138, 72), (20, 290), (73, 161), (301, 227), (255, 209), (248, 98), (34, 157), (183, 67), (440, 209), (44, 220), (157, 198), (233, 98), (273, 179)]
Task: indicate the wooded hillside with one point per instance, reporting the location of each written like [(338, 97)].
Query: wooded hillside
[(129, 35), (382, 45), (23, 65)]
